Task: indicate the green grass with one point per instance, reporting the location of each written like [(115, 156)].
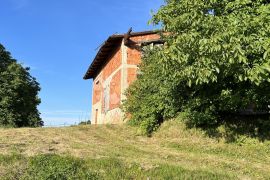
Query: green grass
[(45, 167), (118, 152), (67, 167)]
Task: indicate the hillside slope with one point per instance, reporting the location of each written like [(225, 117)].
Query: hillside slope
[(118, 152)]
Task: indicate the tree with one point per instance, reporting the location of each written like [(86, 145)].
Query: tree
[(18, 94), (216, 62)]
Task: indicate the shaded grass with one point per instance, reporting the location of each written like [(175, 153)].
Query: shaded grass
[(120, 170), (118, 152), (234, 127), (66, 167), (45, 167)]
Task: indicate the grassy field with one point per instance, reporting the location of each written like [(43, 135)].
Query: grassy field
[(118, 152)]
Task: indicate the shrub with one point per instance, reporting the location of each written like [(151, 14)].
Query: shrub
[(215, 63)]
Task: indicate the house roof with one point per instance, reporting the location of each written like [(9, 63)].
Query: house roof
[(106, 48)]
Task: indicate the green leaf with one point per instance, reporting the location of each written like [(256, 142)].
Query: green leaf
[(217, 70), (265, 54)]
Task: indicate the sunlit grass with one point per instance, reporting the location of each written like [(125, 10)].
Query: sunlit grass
[(118, 152)]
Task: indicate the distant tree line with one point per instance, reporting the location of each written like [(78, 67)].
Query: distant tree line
[(85, 122), (215, 63), (18, 94)]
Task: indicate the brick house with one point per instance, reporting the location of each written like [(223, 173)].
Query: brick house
[(113, 69)]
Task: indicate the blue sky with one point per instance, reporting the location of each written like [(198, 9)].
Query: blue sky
[(57, 40)]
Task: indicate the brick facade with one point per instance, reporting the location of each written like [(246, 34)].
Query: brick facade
[(115, 75)]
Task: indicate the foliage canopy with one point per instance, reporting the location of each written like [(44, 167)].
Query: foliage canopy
[(215, 62), (18, 94)]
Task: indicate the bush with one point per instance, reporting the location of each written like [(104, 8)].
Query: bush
[(85, 122), (150, 99), (215, 63)]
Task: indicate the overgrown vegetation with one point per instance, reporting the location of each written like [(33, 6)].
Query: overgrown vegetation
[(117, 152), (18, 94), (214, 65), (85, 122)]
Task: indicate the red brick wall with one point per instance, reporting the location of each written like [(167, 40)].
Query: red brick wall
[(145, 37), (115, 91), (132, 75), (97, 88), (134, 54), (113, 63)]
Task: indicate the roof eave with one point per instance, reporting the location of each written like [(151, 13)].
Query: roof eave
[(90, 74)]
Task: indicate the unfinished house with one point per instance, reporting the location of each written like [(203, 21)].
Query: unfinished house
[(113, 69)]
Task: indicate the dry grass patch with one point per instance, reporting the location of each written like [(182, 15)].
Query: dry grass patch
[(173, 146)]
